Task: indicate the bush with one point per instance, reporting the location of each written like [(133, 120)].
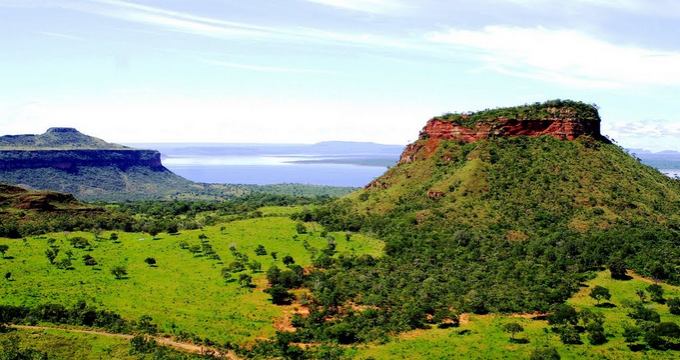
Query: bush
[(545, 354)]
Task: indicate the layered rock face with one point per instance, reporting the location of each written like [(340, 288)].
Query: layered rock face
[(72, 159), (561, 123)]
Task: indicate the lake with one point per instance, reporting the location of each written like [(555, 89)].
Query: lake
[(270, 170)]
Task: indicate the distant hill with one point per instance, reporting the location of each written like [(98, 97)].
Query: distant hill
[(57, 138), (66, 160)]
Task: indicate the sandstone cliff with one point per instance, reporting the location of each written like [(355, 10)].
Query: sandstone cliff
[(565, 120)]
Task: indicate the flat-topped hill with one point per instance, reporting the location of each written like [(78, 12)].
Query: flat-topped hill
[(57, 138), (65, 160), (562, 119), (506, 220)]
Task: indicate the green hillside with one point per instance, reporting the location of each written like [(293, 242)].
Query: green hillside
[(499, 225)]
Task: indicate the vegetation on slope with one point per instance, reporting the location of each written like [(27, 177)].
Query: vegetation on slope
[(56, 139), (483, 336), (184, 289), (498, 225), (537, 111)]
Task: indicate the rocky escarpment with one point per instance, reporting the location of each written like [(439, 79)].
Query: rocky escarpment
[(565, 120), (65, 160), (71, 160)]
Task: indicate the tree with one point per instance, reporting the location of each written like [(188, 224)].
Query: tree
[(172, 228), (674, 306), (183, 244), (146, 325), (596, 333), (279, 294), (569, 335), (260, 250), (288, 260), (236, 266), (3, 249), (245, 280), (563, 314), (51, 254), (226, 274), (513, 328), (273, 275), (64, 263), (119, 271), (254, 265), (195, 249), (79, 242), (8, 275), (548, 353), (300, 228), (617, 268), (202, 237), (113, 237), (89, 260), (641, 294), (151, 261), (656, 292), (600, 292), (274, 254), (631, 333)]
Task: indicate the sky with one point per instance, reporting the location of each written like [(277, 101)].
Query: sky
[(304, 71)]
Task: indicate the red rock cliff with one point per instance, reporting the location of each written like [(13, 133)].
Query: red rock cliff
[(563, 123)]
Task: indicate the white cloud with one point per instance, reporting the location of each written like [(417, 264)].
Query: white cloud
[(213, 27), (369, 6), (262, 68), (228, 119), (564, 56), (60, 35), (646, 128)]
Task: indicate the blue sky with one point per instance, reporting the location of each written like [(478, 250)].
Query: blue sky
[(303, 71)]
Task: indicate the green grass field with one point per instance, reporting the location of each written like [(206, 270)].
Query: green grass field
[(68, 345), (481, 337), (184, 291)]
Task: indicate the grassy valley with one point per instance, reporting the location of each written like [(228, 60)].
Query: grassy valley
[(475, 245)]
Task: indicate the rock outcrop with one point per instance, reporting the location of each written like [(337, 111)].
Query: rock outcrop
[(562, 122)]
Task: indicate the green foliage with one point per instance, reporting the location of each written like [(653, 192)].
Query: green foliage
[(674, 306), (617, 268), (79, 242), (3, 249), (537, 111), (656, 292), (245, 280), (279, 295), (119, 271), (513, 328), (596, 334), (88, 260), (260, 250), (569, 335), (599, 292), (563, 314), (545, 354)]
